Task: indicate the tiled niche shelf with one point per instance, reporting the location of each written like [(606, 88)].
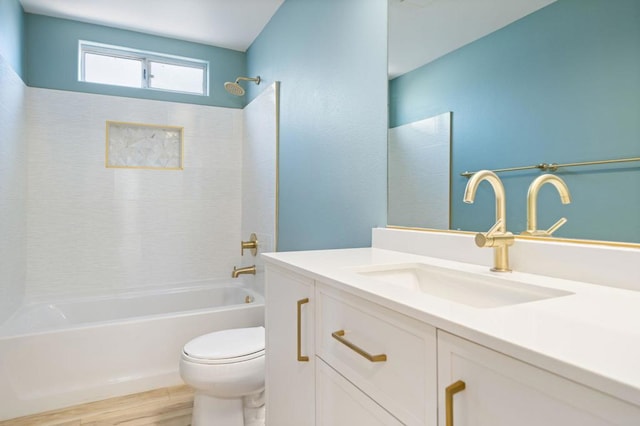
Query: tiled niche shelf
[(144, 146)]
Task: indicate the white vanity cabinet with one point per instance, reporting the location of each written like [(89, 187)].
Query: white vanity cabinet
[(502, 391), (290, 359), (367, 364)]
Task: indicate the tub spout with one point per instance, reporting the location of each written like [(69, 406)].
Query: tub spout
[(246, 270)]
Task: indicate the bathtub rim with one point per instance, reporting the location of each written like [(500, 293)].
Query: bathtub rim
[(258, 300)]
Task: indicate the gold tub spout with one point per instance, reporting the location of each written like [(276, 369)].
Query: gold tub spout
[(497, 237), (246, 270), (532, 204)]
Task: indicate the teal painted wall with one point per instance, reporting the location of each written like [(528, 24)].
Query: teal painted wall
[(52, 60), (561, 85), (330, 56), (12, 34)]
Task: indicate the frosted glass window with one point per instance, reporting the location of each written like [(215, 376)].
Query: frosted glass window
[(177, 78), (121, 66), (112, 70)]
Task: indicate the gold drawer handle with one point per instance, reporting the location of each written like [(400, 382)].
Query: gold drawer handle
[(339, 336), (301, 358), (451, 390)]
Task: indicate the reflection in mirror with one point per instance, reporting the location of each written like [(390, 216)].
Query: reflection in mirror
[(559, 85), (419, 170)]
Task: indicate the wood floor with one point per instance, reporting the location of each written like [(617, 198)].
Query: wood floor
[(163, 407)]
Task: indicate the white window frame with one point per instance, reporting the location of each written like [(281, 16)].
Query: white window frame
[(146, 58)]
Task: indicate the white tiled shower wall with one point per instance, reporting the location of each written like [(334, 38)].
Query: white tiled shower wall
[(259, 153), (13, 187), (95, 230)]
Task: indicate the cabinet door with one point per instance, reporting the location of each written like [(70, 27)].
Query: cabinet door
[(502, 391), (340, 403), (290, 360)]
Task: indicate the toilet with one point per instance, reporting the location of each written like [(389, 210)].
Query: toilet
[(226, 370)]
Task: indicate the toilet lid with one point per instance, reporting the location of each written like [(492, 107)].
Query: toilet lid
[(226, 344)]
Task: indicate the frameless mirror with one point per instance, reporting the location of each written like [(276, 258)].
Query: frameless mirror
[(527, 82), (418, 172)]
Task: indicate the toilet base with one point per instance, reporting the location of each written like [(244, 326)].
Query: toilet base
[(212, 411)]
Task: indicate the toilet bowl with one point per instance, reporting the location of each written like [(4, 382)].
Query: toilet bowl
[(225, 368)]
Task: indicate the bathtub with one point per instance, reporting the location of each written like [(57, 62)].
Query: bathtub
[(66, 352)]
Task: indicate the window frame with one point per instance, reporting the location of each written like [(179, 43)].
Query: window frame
[(146, 58)]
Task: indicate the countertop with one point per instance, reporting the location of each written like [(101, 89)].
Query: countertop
[(591, 336)]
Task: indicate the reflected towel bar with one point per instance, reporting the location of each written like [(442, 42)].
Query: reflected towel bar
[(552, 167)]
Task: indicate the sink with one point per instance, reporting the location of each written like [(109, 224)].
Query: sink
[(477, 290)]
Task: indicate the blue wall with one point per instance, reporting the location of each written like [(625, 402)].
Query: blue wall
[(52, 60), (330, 56), (12, 34), (561, 85)]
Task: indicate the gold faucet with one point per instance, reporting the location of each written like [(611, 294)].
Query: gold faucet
[(246, 270), (532, 204), (497, 237)]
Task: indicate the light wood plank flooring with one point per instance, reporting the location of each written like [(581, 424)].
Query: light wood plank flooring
[(164, 407)]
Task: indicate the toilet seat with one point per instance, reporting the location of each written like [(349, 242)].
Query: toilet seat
[(226, 346)]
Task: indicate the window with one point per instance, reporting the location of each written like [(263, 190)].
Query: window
[(120, 66)]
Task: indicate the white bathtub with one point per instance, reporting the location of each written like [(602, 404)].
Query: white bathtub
[(67, 352)]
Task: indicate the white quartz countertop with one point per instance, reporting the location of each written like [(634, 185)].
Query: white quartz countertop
[(591, 336)]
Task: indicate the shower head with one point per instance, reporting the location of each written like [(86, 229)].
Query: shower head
[(235, 88)]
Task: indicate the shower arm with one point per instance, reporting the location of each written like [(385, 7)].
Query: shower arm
[(256, 79)]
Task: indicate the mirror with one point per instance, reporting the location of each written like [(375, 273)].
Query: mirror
[(527, 82), (419, 157)]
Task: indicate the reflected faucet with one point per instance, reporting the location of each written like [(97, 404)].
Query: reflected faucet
[(532, 204), (497, 237), (246, 270)]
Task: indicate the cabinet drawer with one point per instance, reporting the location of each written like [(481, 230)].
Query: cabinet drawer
[(404, 382), (340, 403)]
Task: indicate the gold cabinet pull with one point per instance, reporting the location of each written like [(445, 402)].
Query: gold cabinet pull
[(339, 336), (451, 390), (301, 358)]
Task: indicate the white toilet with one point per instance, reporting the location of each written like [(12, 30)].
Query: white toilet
[(226, 369)]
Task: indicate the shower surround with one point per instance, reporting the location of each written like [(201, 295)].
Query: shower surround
[(93, 229), (13, 190)]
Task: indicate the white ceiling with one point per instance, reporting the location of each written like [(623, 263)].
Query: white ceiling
[(423, 30), (233, 24), (419, 30)]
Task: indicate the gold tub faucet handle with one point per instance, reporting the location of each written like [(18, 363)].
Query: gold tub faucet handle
[(252, 245)]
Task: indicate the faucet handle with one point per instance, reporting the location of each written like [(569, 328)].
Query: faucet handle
[(252, 245), (493, 237), (548, 232), (556, 225)]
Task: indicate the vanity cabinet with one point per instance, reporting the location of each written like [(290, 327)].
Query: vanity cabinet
[(501, 391), (290, 359), (336, 359)]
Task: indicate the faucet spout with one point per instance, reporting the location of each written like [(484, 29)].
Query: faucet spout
[(498, 189), (497, 237), (246, 270), (532, 204)]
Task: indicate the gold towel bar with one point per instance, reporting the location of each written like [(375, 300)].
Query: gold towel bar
[(552, 167)]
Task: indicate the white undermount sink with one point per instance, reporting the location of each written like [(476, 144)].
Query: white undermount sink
[(480, 291)]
